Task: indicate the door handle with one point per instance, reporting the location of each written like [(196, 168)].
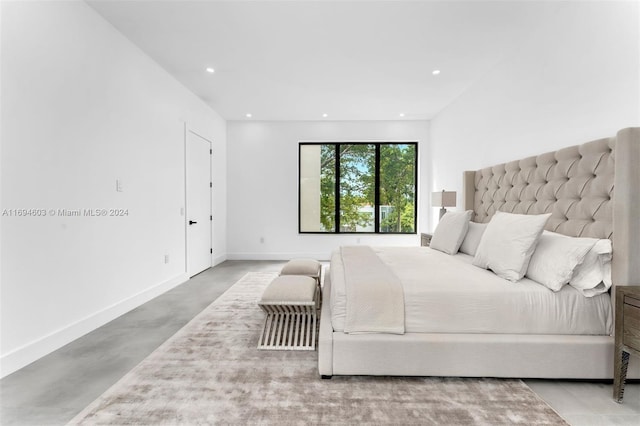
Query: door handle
[(192, 222)]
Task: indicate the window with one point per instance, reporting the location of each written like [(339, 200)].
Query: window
[(357, 187)]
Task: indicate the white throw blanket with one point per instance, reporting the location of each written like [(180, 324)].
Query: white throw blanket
[(375, 297)]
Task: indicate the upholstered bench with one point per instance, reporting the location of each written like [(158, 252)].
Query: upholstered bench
[(291, 323), (307, 267)]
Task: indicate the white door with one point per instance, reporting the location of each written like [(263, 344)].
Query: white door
[(198, 214)]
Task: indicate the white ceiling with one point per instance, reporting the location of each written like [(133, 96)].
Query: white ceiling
[(353, 60)]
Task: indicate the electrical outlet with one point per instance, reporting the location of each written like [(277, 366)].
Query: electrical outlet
[(166, 258), (119, 185)]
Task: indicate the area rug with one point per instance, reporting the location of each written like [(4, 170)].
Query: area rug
[(211, 372)]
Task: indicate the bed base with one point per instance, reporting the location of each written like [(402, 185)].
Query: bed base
[(464, 355)]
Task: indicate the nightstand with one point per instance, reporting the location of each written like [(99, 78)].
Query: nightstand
[(627, 334), (425, 239)]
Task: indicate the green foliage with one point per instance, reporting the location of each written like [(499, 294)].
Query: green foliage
[(357, 186), (397, 186), (327, 187)]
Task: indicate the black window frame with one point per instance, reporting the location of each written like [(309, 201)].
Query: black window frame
[(376, 231)]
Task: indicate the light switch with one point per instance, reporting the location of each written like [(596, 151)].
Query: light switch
[(119, 185)]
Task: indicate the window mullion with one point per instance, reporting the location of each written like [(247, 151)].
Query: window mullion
[(337, 188), (376, 208)]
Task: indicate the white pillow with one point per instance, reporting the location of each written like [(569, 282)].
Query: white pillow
[(473, 237), (593, 276), (508, 243), (556, 257), (450, 232)]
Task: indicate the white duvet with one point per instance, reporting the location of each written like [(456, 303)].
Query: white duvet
[(447, 294), (375, 298)]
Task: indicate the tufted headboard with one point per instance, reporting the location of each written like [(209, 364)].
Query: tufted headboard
[(591, 190)]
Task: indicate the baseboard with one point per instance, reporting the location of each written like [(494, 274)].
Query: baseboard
[(276, 256), (25, 355), (218, 260)]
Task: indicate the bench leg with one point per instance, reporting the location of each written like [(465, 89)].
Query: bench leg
[(289, 327)]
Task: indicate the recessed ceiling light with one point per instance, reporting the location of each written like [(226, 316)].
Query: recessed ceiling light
[(435, 72), (402, 114), (210, 70), (325, 115), (249, 115)]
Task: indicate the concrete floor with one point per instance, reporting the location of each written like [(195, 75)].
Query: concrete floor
[(52, 390)]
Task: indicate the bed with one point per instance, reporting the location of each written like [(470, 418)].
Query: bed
[(589, 190)]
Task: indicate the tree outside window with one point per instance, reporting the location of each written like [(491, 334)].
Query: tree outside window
[(357, 187)]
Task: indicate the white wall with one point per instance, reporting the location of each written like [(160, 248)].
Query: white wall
[(577, 78), (263, 185), (82, 107)]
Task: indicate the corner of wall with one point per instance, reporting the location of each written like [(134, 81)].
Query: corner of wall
[(26, 354)]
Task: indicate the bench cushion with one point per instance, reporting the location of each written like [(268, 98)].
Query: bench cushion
[(289, 289), (308, 267)]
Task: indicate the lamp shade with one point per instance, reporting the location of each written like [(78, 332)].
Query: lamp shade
[(443, 199)]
